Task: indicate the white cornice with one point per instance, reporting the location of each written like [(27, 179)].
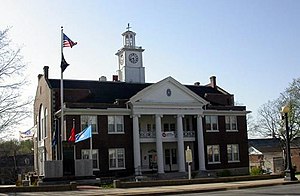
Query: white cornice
[(225, 112), (87, 111)]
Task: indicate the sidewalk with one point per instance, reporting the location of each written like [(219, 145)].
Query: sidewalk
[(158, 190), (195, 188)]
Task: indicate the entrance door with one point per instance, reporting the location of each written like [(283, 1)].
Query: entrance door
[(152, 157), (171, 159)]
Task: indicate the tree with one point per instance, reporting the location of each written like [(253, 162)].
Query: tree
[(14, 147), (252, 127), (10, 152), (13, 108), (270, 120)]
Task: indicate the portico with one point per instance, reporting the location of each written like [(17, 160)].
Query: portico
[(163, 116)]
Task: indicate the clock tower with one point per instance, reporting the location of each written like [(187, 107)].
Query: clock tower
[(130, 61)]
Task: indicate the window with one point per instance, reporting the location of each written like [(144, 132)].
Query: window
[(166, 127), (231, 123), (211, 123), (169, 127), (149, 127), (213, 154), (85, 154), (233, 152), (117, 158), (115, 124), (46, 123), (89, 120)]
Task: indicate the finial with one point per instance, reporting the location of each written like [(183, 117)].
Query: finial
[(128, 27)]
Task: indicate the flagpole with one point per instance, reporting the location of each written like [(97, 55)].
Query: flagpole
[(91, 144), (74, 140), (61, 99)]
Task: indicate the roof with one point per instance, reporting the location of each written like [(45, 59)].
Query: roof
[(265, 145), (109, 92)]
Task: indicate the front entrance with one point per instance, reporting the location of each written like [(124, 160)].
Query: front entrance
[(171, 159), (152, 157)]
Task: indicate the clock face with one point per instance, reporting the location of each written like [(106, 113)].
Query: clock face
[(133, 58), (121, 59)]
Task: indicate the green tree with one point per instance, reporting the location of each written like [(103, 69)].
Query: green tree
[(14, 147), (13, 108)]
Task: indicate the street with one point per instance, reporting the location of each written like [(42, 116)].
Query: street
[(293, 189)]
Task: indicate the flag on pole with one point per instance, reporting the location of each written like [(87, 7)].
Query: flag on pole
[(63, 63), (67, 42), (54, 139), (72, 135), (25, 135), (84, 134)]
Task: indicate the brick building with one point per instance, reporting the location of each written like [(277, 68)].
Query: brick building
[(140, 127)]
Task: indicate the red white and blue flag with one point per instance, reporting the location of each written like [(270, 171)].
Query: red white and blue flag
[(67, 42)]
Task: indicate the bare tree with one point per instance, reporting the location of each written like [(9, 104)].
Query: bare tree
[(13, 107), (269, 119), (252, 127)]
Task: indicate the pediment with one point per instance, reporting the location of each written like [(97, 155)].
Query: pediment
[(167, 91)]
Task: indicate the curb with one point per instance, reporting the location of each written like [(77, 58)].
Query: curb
[(48, 188), (199, 190)]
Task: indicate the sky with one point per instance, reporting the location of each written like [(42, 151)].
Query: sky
[(251, 46)]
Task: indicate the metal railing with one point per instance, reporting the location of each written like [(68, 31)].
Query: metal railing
[(152, 134)]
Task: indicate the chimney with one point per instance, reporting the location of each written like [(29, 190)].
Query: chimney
[(46, 71), (115, 78), (197, 83), (213, 82), (102, 79)]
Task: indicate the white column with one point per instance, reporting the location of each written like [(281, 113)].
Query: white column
[(159, 145), (200, 138), (180, 144), (136, 145)]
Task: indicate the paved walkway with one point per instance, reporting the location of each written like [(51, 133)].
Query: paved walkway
[(163, 190)]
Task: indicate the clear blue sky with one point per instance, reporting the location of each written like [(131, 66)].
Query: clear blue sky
[(253, 47)]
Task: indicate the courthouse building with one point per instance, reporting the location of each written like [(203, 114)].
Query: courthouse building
[(140, 127)]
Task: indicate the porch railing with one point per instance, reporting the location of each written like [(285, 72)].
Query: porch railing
[(166, 134)]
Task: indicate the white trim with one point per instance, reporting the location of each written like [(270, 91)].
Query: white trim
[(116, 158), (211, 163), (115, 124), (212, 131), (148, 90), (225, 112), (98, 112), (88, 153)]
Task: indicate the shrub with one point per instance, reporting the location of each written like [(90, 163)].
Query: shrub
[(256, 171)]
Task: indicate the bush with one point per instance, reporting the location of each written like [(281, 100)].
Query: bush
[(255, 171)]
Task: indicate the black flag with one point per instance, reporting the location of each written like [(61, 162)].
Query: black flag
[(63, 63)]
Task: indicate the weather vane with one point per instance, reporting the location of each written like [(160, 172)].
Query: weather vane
[(128, 27)]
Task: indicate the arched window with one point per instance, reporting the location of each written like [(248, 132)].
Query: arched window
[(46, 123), (41, 123), (127, 42)]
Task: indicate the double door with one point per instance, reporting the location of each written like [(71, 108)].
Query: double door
[(170, 159)]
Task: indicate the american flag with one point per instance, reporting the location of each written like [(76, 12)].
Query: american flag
[(67, 42)]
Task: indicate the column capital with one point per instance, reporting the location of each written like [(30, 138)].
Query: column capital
[(199, 116), (158, 115), (180, 115)]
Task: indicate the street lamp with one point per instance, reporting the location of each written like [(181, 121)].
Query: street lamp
[(289, 172)]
